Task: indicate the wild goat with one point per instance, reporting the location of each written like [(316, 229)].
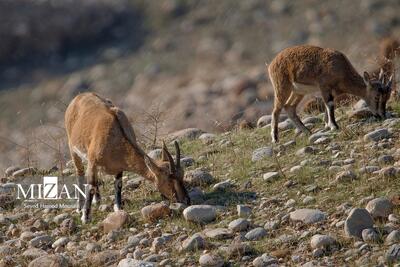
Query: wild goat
[(301, 70), (389, 50), (100, 133)]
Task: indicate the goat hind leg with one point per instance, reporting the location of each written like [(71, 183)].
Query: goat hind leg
[(290, 108), (118, 191)]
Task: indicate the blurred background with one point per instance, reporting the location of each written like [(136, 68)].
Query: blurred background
[(169, 64)]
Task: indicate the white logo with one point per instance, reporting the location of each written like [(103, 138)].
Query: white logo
[(49, 189)]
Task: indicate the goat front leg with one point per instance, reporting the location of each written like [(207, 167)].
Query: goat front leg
[(118, 191), (89, 192), (330, 122)]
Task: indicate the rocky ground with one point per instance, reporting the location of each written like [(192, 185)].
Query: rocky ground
[(330, 199)]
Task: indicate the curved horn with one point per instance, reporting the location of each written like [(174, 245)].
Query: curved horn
[(164, 156), (381, 75), (170, 159), (178, 154)]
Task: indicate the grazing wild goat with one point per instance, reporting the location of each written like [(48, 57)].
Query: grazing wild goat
[(100, 133), (301, 70), (389, 51)]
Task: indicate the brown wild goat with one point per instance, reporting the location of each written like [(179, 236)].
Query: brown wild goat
[(100, 133), (389, 51), (301, 70)]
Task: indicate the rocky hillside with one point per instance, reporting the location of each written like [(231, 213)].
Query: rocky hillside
[(185, 63), (330, 199)]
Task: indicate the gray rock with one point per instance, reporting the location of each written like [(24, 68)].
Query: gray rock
[(386, 159), (211, 260), (286, 125), (41, 241), (312, 120), (357, 221), (261, 153), (198, 177), (243, 211), (196, 196), (185, 134), (265, 261), (239, 249), (50, 260), (307, 216), (207, 138), (239, 225), (222, 186), (380, 207), (61, 217), (129, 262), (24, 172), (306, 151), (6, 250), (105, 258), (270, 176), (62, 241), (370, 235), (393, 237), (10, 170), (194, 243), (33, 253), (393, 254), (266, 120), (315, 136), (377, 135), (134, 183), (93, 247), (322, 241), (218, 233), (256, 234), (200, 213), (272, 225)]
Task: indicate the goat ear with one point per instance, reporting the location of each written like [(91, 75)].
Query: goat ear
[(366, 77), (152, 166), (166, 156)]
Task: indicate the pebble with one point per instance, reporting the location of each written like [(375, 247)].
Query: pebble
[(211, 260), (393, 237), (379, 207), (200, 213), (155, 212), (239, 225), (198, 177), (261, 153), (194, 243), (307, 216), (377, 135), (243, 211), (270, 176), (256, 234), (370, 235), (322, 241)]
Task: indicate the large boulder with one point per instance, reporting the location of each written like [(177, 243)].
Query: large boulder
[(357, 221)]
